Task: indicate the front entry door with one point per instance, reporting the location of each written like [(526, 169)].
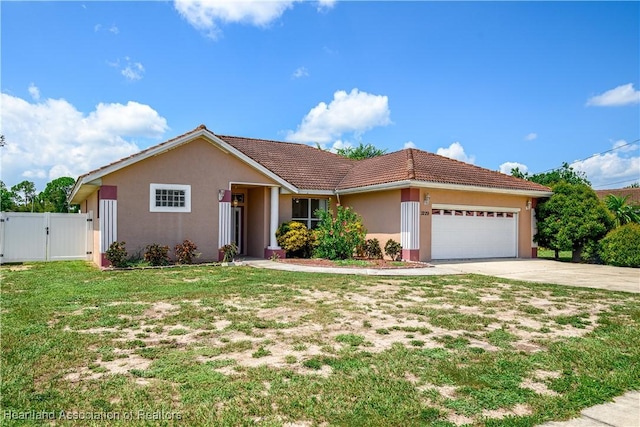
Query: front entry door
[(236, 227)]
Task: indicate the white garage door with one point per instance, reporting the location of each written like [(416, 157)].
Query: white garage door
[(462, 234)]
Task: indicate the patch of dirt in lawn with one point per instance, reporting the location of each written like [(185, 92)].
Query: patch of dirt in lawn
[(311, 324), (18, 267), (160, 310), (538, 387), (518, 410), (459, 419), (281, 314), (120, 365)]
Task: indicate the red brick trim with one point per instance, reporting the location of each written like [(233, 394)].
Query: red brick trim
[(410, 195), (268, 253), (411, 254), (108, 192), (227, 196), (104, 262)]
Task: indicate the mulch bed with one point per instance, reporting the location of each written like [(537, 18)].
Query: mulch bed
[(371, 263)]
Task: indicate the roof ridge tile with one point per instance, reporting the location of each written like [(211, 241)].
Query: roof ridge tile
[(411, 170)]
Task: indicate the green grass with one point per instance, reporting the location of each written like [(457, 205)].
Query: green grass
[(242, 346), (564, 256)]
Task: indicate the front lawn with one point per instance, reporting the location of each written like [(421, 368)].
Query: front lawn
[(208, 345)]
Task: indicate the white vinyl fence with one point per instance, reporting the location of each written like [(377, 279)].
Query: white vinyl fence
[(44, 236)]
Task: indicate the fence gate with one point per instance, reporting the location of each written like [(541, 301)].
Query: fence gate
[(44, 236)]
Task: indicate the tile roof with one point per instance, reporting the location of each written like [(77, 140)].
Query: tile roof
[(307, 167), (310, 168), (633, 193), (303, 166)]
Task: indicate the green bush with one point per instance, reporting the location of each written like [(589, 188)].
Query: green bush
[(186, 252), (338, 237), (229, 252), (117, 254), (393, 249), (156, 254), (621, 246), (295, 238), (372, 249)]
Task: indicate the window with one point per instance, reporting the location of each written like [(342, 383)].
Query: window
[(304, 210), (169, 198)]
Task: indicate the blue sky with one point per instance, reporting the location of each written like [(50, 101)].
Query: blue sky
[(496, 84)]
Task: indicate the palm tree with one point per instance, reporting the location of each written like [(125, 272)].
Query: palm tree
[(624, 213)]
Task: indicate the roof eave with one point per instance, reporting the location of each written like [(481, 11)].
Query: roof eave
[(82, 190), (444, 186)]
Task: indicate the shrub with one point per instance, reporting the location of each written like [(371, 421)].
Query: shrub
[(230, 251), (338, 238), (372, 249), (156, 254), (117, 254), (621, 246), (295, 238), (393, 249), (186, 252)]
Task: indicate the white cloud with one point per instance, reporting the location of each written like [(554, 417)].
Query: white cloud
[(300, 72), (113, 29), (624, 146), (410, 144), (207, 15), (324, 5), (49, 139), (507, 166), (456, 151), (354, 112), (531, 136), (621, 95), (34, 92), (133, 71), (339, 144), (614, 168)]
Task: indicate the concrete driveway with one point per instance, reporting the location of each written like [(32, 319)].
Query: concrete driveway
[(547, 271)]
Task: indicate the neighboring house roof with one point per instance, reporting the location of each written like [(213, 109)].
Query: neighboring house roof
[(633, 193), (302, 168)]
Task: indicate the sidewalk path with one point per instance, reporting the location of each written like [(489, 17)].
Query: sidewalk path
[(426, 271), (624, 411)]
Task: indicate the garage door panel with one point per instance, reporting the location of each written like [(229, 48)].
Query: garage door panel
[(464, 236)]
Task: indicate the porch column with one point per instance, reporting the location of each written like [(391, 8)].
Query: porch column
[(224, 220), (108, 213), (410, 223), (273, 247)]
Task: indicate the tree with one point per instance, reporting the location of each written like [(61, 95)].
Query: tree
[(54, 197), (634, 185), (564, 174), (572, 218), (622, 212), (25, 196), (361, 152), (7, 204)]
